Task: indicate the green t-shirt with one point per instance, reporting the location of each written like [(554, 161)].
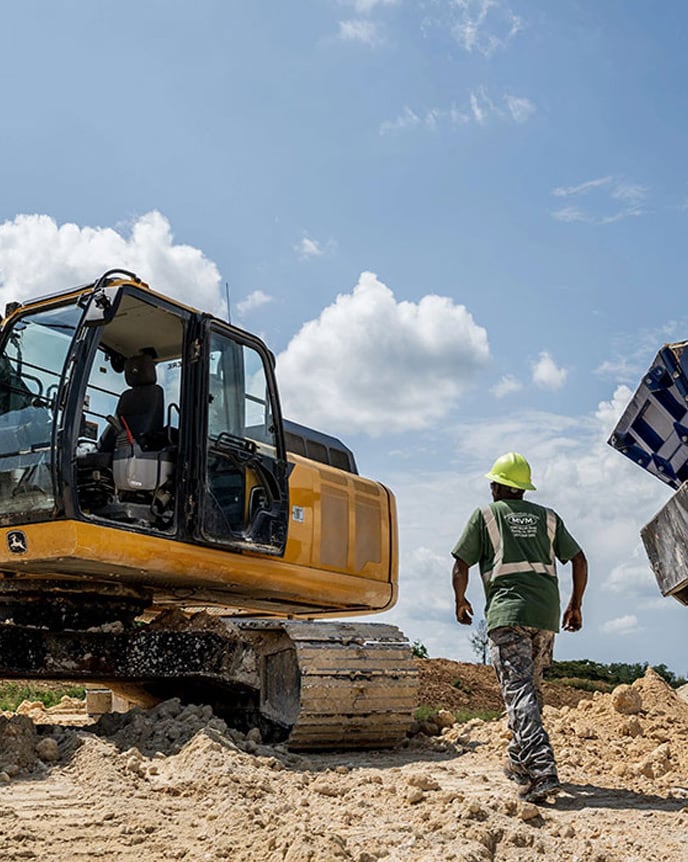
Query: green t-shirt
[(520, 580)]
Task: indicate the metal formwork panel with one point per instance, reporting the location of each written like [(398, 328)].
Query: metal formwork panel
[(653, 430), (666, 542)]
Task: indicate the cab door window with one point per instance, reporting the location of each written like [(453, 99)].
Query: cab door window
[(244, 495), (239, 404)]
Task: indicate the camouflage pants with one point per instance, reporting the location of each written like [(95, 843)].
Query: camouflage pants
[(520, 654)]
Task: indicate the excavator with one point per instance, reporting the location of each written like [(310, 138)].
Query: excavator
[(653, 433), (168, 533)]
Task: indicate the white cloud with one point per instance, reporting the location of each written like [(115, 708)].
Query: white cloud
[(570, 215), (546, 373), (582, 188), (365, 7), (383, 366), (521, 109), (362, 29), (633, 576), (359, 30), (632, 353), (611, 192), (254, 300), (620, 368), (39, 256), (308, 248), (451, 116), (432, 118), (626, 625), (406, 119), (479, 108), (506, 386), (484, 25), (631, 193)]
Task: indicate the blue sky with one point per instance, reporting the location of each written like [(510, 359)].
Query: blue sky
[(458, 223)]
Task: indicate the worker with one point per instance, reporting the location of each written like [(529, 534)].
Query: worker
[(515, 543)]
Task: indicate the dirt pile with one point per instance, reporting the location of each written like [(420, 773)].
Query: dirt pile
[(458, 686), (176, 783), (634, 738)]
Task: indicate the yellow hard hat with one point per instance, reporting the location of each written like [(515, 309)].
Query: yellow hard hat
[(513, 470)]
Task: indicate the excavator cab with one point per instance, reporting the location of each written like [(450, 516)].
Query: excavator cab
[(119, 407)]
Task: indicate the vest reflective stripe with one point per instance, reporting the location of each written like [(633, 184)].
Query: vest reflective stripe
[(499, 567)]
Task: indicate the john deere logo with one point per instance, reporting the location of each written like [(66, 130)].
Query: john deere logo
[(16, 542)]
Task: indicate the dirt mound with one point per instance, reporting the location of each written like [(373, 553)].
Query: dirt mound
[(634, 738), (456, 686), (175, 782)]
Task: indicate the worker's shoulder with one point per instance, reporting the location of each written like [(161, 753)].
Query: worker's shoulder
[(478, 514)]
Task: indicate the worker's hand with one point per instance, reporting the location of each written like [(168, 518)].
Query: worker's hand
[(464, 612), (573, 619)]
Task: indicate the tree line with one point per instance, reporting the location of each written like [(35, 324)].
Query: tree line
[(615, 673)]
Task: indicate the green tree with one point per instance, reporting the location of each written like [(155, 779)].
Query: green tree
[(480, 643), (419, 650)]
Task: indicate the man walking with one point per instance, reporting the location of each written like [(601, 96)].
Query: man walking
[(516, 544)]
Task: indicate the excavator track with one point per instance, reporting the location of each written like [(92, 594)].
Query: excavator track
[(311, 684), (349, 685)]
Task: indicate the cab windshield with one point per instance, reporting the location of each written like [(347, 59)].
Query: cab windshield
[(31, 367)]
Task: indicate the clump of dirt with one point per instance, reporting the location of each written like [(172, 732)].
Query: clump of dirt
[(18, 740), (164, 729), (41, 714)]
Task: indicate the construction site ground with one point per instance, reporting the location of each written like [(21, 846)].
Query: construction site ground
[(175, 782)]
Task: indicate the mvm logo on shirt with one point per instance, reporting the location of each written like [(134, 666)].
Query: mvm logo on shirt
[(522, 524)]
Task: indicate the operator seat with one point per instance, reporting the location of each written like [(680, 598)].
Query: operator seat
[(142, 406), (135, 455)]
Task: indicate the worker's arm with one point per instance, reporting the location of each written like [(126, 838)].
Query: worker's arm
[(573, 617), (464, 611)]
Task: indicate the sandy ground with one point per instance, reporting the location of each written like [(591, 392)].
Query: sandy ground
[(175, 783)]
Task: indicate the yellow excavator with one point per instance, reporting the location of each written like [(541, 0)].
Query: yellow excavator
[(168, 533)]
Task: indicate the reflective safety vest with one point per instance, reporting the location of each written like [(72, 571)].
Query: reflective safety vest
[(515, 567)]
